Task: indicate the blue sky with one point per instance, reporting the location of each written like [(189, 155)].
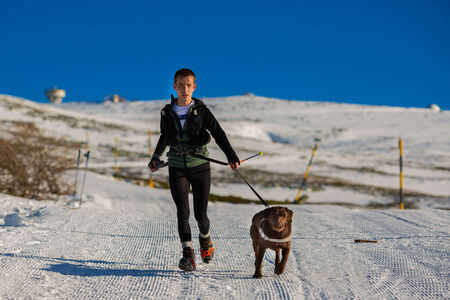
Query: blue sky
[(370, 52)]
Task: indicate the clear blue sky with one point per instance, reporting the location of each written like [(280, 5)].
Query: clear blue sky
[(385, 52)]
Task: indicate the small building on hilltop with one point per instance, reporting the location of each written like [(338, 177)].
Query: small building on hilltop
[(434, 107), (55, 95), (114, 98)]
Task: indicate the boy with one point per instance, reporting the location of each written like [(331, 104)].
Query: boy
[(186, 126)]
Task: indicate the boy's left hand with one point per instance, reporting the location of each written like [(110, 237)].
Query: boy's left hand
[(234, 166)]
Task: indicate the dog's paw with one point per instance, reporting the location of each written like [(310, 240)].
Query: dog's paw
[(257, 275), (279, 270)]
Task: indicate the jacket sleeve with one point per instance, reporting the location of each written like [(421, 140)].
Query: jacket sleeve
[(219, 136), (162, 141)]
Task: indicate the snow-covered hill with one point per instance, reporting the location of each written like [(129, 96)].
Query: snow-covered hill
[(122, 243), (357, 160)]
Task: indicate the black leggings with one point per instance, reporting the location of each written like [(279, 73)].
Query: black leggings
[(200, 179)]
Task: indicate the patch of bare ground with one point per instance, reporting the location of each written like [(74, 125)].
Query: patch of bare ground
[(122, 153), (268, 179), (371, 170)]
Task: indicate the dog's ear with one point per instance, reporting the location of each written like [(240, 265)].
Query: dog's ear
[(266, 213), (290, 215)]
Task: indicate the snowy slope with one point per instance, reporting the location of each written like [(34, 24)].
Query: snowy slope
[(357, 160), (357, 143), (123, 242)]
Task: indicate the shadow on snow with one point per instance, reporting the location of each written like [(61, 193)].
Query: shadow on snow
[(80, 267), (84, 270), (88, 271)]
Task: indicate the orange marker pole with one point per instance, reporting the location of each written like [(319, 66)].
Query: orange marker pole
[(300, 190), (116, 155), (65, 142), (87, 141), (400, 146)]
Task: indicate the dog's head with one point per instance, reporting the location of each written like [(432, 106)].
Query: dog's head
[(279, 217)]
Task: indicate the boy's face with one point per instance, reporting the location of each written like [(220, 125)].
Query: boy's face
[(185, 87)]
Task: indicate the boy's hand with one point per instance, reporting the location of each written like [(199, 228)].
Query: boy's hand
[(153, 165), (234, 166)]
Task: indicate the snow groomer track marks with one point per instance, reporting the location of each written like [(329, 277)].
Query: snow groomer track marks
[(131, 250)]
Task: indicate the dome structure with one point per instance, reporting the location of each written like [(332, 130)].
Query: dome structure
[(55, 95)]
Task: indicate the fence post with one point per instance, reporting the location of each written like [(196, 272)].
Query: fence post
[(87, 141), (116, 155), (300, 190), (400, 146), (149, 144)]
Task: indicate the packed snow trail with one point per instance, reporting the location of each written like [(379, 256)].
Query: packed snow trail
[(123, 243)]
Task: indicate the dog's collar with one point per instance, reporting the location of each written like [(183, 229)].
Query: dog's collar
[(265, 237)]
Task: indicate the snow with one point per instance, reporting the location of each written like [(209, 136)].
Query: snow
[(129, 248), (123, 242)]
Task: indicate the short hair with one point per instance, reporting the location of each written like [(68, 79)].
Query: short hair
[(183, 73)]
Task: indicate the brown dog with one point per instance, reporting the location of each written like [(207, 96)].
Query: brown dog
[(271, 228)]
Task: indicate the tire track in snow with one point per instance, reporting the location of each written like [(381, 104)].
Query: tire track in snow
[(130, 251), (91, 255), (390, 269)]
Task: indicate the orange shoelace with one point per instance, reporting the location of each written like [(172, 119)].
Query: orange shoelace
[(208, 252), (193, 262)]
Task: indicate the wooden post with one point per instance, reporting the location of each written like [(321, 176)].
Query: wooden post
[(400, 146), (116, 155), (87, 141), (149, 144), (297, 199)]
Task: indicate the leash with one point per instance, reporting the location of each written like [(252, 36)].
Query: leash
[(257, 195), (226, 164), (209, 159), (222, 162)]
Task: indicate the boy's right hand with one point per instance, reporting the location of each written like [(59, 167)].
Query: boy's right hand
[(153, 165)]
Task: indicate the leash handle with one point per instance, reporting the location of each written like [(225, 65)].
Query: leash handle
[(210, 159), (260, 153)]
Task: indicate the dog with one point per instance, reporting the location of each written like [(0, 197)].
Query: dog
[(272, 228)]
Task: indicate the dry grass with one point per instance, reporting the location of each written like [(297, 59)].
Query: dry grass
[(31, 164)]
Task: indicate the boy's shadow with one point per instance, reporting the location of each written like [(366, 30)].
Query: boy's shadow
[(80, 267), (88, 271), (84, 270)]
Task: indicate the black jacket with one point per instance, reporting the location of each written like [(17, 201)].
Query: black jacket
[(199, 122)]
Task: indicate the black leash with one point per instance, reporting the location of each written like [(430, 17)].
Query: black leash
[(209, 159), (257, 195), (162, 165), (225, 164)]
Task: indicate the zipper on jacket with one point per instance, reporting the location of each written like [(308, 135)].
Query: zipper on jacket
[(181, 131), (186, 124)]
